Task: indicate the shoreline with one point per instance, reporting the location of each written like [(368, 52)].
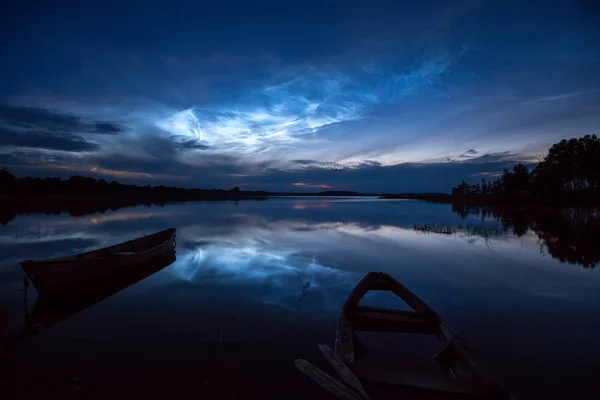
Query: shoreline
[(589, 198)]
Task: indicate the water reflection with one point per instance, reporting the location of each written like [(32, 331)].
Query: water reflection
[(275, 278), (303, 205), (568, 234), (71, 205), (50, 309), (269, 275)]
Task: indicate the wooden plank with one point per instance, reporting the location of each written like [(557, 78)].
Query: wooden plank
[(379, 282), (451, 361), (456, 357), (374, 319), (446, 333), (333, 386), (344, 346), (343, 371), (359, 291), (379, 374)]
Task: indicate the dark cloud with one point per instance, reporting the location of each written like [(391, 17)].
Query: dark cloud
[(160, 159), (106, 128), (405, 177), (189, 144), (32, 118), (220, 171), (471, 151), (29, 158), (44, 129), (46, 140), (369, 163), (157, 147), (193, 145)]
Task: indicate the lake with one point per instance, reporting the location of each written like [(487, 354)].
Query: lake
[(257, 284)]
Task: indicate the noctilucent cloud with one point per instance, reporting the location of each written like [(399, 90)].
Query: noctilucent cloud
[(373, 96)]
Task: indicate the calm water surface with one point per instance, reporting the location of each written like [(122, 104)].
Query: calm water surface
[(257, 284)]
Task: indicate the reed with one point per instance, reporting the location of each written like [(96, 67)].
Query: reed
[(484, 231)]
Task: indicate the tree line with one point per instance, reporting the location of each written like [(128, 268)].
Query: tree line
[(11, 185), (570, 166)]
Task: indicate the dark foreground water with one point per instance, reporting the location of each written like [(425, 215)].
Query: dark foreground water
[(257, 284)]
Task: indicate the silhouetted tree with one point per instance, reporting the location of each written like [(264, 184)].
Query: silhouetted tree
[(461, 189), (570, 165), (484, 186), (85, 185), (520, 178), (7, 181)]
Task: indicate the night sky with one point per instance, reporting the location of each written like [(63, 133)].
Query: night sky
[(374, 96)]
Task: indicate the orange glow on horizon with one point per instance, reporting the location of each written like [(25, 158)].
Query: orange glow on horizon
[(306, 185)]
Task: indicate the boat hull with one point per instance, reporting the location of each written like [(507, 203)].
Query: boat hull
[(465, 375), (66, 272)]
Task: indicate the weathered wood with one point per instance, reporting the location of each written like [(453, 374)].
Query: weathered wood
[(65, 272), (344, 346), (343, 371), (456, 357), (359, 291), (376, 319), (375, 373), (384, 282), (446, 333), (464, 358), (330, 384), (448, 359)]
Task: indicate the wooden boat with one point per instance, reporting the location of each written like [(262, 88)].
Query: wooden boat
[(458, 373), (65, 272)]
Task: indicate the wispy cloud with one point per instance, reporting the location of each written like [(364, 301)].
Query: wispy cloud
[(296, 106), (319, 164), (291, 113), (493, 174)]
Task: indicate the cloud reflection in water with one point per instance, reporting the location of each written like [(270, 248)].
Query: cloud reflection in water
[(257, 271)]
